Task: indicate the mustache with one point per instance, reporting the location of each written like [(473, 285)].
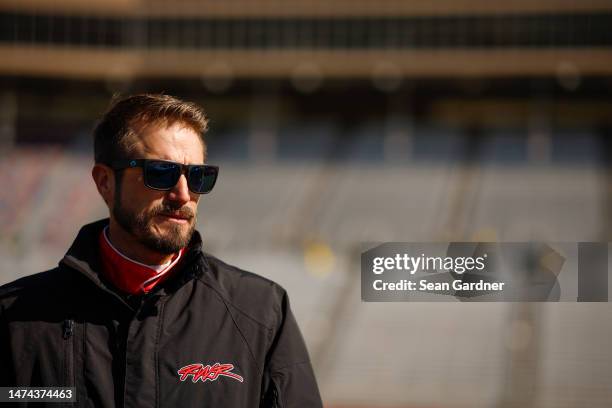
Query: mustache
[(168, 209)]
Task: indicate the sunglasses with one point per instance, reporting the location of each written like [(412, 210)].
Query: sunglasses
[(163, 175)]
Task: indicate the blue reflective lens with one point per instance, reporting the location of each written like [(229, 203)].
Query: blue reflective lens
[(202, 179), (162, 175)]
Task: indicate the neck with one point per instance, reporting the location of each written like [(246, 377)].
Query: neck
[(129, 246)]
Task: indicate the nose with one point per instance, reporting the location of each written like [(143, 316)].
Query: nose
[(180, 192)]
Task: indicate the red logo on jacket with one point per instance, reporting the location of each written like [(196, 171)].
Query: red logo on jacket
[(208, 372)]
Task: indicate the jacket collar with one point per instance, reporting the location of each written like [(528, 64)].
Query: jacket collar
[(84, 256)]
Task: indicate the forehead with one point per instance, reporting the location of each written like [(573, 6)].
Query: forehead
[(175, 142)]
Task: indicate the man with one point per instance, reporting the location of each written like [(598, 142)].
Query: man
[(136, 314)]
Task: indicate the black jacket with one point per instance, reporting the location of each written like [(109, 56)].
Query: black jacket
[(211, 335)]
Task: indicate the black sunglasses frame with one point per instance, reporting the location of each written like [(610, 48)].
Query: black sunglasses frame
[(185, 169)]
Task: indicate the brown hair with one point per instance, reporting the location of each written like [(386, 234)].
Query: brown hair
[(115, 132)]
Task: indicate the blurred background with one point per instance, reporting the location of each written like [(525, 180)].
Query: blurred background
[(335, 123)]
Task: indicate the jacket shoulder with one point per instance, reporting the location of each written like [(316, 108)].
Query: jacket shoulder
[(258, 298), (30, 285)]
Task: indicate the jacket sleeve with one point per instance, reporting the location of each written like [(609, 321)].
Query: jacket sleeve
[(289, 379), (7, 377)]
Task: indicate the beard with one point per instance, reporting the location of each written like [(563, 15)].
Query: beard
[(140, 225)]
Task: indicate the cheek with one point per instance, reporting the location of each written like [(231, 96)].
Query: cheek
[(139, 198), (149, 204)]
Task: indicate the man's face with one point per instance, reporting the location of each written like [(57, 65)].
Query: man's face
[(163, 221)]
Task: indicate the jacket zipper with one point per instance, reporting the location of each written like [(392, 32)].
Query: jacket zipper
[(276, 404), (270, 398), (68, 352)]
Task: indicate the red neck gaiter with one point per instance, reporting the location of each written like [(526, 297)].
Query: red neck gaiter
[(128, 275)]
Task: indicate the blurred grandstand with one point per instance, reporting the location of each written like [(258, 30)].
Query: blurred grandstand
[(337, 123)]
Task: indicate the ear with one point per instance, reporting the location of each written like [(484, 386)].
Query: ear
[(104, 177)]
